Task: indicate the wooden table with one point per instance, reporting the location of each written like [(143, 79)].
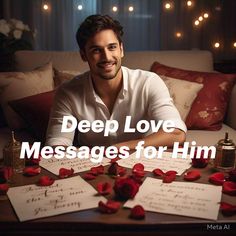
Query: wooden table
[(91, 222)]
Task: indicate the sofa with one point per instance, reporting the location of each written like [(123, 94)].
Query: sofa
[(70, 62)]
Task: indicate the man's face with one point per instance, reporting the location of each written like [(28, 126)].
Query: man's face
[(103, 54)]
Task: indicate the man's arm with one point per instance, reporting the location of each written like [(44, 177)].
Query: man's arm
[(160, 138)]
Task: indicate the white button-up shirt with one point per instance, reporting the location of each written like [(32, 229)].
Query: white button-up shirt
[(143, 96)]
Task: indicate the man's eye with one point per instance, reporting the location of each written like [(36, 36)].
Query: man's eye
[(112, 47), (96, 50)]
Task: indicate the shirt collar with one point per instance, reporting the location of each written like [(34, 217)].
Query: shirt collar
[(124, 88)]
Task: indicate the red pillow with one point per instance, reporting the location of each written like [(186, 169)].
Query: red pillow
[(209, 108), (35, 110)]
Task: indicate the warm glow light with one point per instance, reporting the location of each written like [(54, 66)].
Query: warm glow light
[(131, 8), (234, 44), (45, 7), (189, 3), (178, 34), (196, 22), (115, 9), (200, 18), (206, 15), (167, 6), (217, 45)]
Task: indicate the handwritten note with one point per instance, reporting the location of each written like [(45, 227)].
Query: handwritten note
[(67, 195), (79, 165), (178, 198), (180, 165)]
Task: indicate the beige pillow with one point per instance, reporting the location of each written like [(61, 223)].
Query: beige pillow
[(15, 85), (61, 76), (183, 93)]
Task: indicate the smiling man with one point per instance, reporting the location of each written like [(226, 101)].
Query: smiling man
[(109, 91)]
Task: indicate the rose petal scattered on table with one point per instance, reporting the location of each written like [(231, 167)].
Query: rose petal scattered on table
[(89, 176), (5, 173), (229, 187), (109, 207), (137, 212), (158, 172), (45, 181), (192, 175), (169, 176), (31, 171), (64, 173), (104, 188), (138, 174), (217, 178), (3, 189), (138, 167), (227, 209), (97, 170)]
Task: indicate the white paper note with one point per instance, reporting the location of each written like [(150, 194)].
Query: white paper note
[(67, 195), (166, 163), (178, 198), (79, 165)]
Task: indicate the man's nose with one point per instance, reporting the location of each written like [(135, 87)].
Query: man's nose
[(106, 55)]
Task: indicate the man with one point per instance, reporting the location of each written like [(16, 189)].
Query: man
[(111, 92)]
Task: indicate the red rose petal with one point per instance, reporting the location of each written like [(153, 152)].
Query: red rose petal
[(199, 162), (98, 170), (229, 187), (138, 167), (3, 189), (121, 171), (64, 173), (115, 169), (45, 181), (192, 175), (109, 207), (227, 209), (217, 178), (137, 212), (170, 177), (31, 171), (158, 172), (89, 176), (104, 188), (5, 173)]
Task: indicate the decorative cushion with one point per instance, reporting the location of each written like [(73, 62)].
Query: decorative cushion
[(184, 97), (35, 110), (15, 85), (62, 76), (208, 109)]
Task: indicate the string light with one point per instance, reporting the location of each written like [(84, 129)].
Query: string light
[(205, 15), (216, 45), (196, 22), (234, 44), (200, 18), (178, 35), (115, 8), (168, 6), (131, 8), (45, 7), (189, 3), (80, 7)]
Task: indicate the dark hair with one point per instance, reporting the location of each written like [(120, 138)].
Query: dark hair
[(94, 24)]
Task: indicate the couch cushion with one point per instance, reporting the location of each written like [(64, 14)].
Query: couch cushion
[(35, 110), (15, 85), (184, 97), (62, 76), (209, 108)]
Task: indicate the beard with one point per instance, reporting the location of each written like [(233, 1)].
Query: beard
[(108, 75)]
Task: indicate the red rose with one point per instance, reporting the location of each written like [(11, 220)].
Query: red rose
[(137, 212), (115, 169), (126, 187), (5, 174)]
